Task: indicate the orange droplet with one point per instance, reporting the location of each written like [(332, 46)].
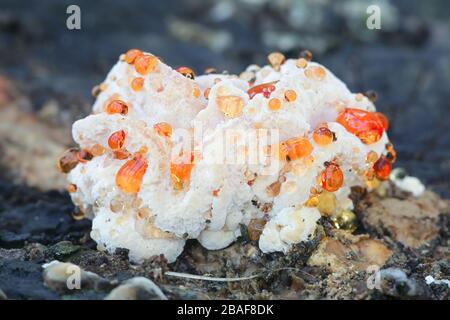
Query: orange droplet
[(206, 93), (231, 106), (332, 177), (145, 64), (68, 160), (187, 72), (290, 95), (163, 129), (295, 148), (121, 154), (117, 106), (363, 124), (84, 156), (323, 136), (181, 167), (117, 140), (274, 104), (266, 89), (132, 54), (216, 192), (71, 188), (382, 168), (197, 92), (315, 72), (137, 84), (129, 177)]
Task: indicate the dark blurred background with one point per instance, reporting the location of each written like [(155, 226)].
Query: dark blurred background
[(47, 71)]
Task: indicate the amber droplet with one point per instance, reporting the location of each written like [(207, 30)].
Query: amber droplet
[(196, 92), (145, 64), (315, 72), (332, 177), (274, 104), (68, 160), (323, 136), (163, 129), (210, 70), (206, 93), (295, 148), (290, 95), (371, 157), (313, 201), (382, 168), (255, 228), (97, 150), (78, 214), (121, 154), (181, 167), (265, 88), (363, 124), (84, 156), (129, 177), (137, 84), (391, 153), (273, 189), (231, 106), (215, 192), (276, 59), (301, 63), (132, 54), (306, 54), (117, 140), (71, 188), (187, 72), (117, 106)]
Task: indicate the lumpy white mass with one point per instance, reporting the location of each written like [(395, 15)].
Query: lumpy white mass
[(219, 198)]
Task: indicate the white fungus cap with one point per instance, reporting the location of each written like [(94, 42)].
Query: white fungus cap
[(220, 196)]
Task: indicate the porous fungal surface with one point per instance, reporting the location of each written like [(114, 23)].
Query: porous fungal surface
[(167, 155)]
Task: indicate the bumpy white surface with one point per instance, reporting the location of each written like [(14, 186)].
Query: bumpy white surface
[(194, 212)]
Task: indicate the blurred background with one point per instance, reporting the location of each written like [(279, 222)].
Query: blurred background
[(47, 71)]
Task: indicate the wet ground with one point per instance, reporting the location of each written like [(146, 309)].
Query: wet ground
[(46, 76)]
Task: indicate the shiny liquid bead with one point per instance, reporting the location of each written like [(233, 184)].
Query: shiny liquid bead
[(163, 129), (295, 148), (332, 177), (137, 84), (117, 106), (117, 140), (129, 177), (187, 72), (231, 106), (265, 89), (68, 160), (132, 54), (181, 167), (382, 168), (145, 64), (323, 136), (365, 125)]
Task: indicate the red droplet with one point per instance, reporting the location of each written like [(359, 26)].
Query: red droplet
[(382, 168), (265, 88)]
